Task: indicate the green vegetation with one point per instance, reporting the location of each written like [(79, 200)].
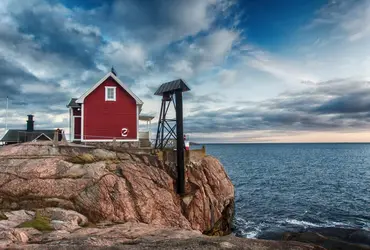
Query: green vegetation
[(83, 159), (3, 216), (89, 158), (40, 223)]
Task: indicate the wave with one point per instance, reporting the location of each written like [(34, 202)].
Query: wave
[(250, 234), (253, 230), (302, 223), (240, 220), (247, 229), (306, 224), (337, 224)]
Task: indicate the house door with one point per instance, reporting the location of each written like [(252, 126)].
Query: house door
[(77, 128)]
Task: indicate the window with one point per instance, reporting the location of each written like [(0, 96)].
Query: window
[(110, 93)]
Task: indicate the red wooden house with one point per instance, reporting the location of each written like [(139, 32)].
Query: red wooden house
[(108, 111)]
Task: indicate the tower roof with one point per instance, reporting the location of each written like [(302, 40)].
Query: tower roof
[(171, 87)]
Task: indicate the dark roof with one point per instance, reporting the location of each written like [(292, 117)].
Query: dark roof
[(73, 103), (172, 86), (21, 135), (43, 137)]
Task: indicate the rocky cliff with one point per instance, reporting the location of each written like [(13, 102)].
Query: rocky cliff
[(76, 196), (111, 186)]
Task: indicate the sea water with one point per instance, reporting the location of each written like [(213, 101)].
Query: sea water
[(290, 187)]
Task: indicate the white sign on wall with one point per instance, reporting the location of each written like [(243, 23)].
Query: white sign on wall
[(124, 132)]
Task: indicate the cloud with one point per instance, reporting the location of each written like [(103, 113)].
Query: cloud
[(309, 110), (227, 77), (194, 98), (216, 46), (349, 103), (182, 67), (130, 57), (10, 75), (344, 18), (208, 51), (289, 71), (46, 31), (159, 22)]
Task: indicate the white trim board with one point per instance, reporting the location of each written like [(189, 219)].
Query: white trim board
[(70, 124), (6, 131), (111, 140), (110, 74), (107, 93), (41, 135), (82, 121), (137, 122)]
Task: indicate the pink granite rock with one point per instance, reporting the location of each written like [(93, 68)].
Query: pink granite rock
[(135, 236), (134, 188)]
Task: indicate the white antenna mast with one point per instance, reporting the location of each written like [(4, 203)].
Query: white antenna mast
[(6, 116)]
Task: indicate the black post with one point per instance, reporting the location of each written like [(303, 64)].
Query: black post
[(180, 144), (163, 119), (159, 126)]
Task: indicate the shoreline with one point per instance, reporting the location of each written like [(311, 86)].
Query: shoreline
[(258, 233), (328, 237)]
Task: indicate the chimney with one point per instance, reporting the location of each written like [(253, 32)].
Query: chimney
[(30, 122)]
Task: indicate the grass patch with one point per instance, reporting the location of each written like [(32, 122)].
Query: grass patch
[(40, 223), (82, 159), (3, 216)]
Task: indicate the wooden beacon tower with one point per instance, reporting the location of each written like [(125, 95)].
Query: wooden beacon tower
[(172, 129)]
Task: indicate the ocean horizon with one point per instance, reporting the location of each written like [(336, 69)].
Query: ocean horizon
[(231, 143)]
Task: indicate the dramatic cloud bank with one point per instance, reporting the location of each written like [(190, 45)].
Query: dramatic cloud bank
[(288, 78)]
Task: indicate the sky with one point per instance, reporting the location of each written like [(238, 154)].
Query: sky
[(259, 71)]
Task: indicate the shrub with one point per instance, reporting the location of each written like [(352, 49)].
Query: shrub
[(40, 223), (3, 216)]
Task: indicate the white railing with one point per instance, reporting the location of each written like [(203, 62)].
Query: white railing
[(144, 135)]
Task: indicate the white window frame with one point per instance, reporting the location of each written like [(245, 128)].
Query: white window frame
[(114, 94)]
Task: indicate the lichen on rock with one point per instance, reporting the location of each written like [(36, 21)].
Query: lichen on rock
[(223, 226), (3, 216), (40, 223)]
